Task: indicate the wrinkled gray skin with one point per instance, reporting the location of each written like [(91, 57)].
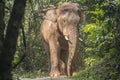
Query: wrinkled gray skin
[(59, 31)]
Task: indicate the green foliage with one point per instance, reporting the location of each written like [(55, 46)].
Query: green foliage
[(98, 58), (100, 40), (16, 58), (91, 61)]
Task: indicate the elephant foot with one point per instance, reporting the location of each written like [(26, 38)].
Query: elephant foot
[(62, 68), (73, 70), (55, 74), (69, 70)]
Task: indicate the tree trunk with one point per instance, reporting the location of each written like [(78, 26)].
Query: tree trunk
[(2, 24), (10, 42)]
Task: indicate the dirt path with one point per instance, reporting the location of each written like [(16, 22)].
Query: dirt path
[(46, 78)]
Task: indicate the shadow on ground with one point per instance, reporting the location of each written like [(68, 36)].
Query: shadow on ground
[(46, 78)]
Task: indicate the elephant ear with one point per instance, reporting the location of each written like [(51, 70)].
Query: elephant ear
[(50, 14)]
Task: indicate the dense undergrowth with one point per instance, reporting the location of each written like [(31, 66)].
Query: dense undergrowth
[(99, 47), (107, 68)]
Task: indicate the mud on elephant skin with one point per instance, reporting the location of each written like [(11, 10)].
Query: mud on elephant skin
[(59, 31)]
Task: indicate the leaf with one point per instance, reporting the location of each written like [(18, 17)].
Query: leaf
[(90, 27)]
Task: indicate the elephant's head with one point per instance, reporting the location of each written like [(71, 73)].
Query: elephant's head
[(68, 18)]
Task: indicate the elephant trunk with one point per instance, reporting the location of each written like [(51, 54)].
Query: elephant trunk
[(72, 41)]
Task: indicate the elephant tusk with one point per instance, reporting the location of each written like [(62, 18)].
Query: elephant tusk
[(66, 38)]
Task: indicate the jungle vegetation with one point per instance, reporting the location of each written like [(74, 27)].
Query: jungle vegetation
[(21, 49)]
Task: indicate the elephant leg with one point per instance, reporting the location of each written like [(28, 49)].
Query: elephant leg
[(74, 64), (71, 64), (63, 56), (54, 58), (48, 54)]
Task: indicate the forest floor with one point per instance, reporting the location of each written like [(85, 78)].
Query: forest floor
[(45, 78)]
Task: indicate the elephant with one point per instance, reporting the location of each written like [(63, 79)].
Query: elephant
[(59, 31)]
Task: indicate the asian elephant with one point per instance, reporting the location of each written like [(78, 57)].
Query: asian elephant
[(59, 31)]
